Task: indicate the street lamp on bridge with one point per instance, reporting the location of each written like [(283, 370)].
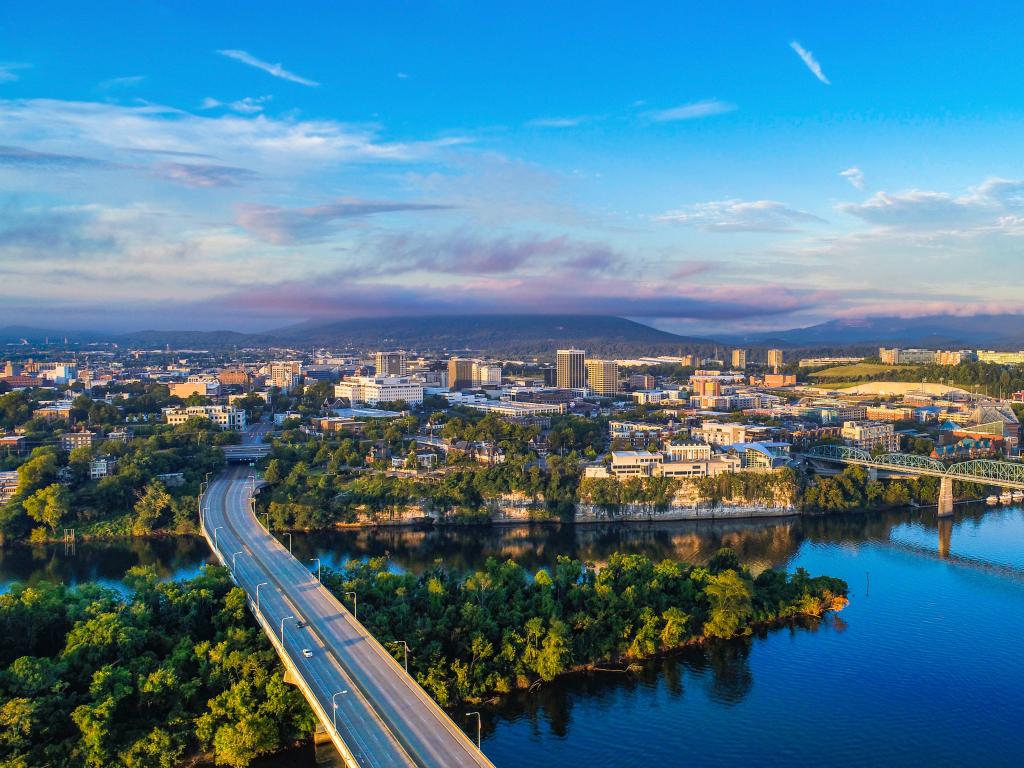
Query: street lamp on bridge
[(405, 645), (478, 727), (261, 584), (282, 628)]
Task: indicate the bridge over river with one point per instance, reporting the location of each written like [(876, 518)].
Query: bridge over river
[(1004, 474), (369, 706)]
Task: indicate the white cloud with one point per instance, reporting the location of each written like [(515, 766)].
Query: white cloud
[(108, 131), (692, 111), (741, 216), (556, 122), (9, 71), (272, 69), (995, 202), (808, 58), (855, 176), (249, 105)]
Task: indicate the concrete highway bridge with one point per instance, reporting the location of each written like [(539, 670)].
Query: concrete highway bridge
[(1004, 474), (374, 713), (246, 452)]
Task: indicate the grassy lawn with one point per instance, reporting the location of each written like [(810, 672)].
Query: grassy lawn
[(857, 370)]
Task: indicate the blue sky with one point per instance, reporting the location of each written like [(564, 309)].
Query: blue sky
[(726, 166)]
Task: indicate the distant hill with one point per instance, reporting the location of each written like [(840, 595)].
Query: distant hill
[(14, 334), (502, 334), (193, 339), (934, 331), (511, 334)]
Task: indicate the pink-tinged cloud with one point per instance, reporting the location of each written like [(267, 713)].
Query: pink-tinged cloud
[(286, 226), (467, 253), (910, 308), (336, 297)]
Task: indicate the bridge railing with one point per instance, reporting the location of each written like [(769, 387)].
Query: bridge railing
[(1004, 473)]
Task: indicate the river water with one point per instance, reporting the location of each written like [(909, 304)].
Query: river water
[(924, 667)]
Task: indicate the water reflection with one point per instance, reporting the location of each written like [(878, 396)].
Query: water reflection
[(760, 544), (925, 668), (102, 562)]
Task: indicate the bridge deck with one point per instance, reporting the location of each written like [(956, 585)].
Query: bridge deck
[(383, 717), (1004, 474)]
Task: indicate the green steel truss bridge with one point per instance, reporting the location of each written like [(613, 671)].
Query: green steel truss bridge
[(1005, 474)]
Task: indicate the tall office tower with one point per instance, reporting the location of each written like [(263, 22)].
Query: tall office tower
[(287, 376), (390, 364), (603, 377), (460, 373), (739, 359), (571, 369), (775, 359)]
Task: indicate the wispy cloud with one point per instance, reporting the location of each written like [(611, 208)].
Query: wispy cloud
[(741, 216), (808, 58), (239, 140), (206, 176), (470, 254), (9, 70), (249, 105), (122, 82), (692, 111), (855, 176), (337, 296), (284, 226), (275, 70), (556, 122), (20, 157)]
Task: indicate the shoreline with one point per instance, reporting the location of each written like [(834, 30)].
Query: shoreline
[(425, 523)]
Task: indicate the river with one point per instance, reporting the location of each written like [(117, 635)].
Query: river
[(922, 667)]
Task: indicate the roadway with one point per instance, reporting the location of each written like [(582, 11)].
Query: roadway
[(376, 714)]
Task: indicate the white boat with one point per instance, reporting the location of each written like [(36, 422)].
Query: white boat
[(1018, 495), (1006, 497), (992, 500)]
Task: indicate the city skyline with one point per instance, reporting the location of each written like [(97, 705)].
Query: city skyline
[(695, 169)]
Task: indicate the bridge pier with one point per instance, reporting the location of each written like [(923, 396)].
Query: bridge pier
[(324, 751), (872, 474), (946, 497)]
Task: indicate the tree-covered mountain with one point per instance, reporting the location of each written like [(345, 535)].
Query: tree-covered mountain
[(933, 331), (502, 334), (512, 334)]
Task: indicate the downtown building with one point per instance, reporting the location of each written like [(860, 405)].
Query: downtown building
[(470, 373), (373, 390), (390, 364), (603, 377), (571, 369), (223, 416)]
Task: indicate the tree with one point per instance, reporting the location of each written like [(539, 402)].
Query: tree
[(151, 508), (38, 471), (730, 598), (49, 505)]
